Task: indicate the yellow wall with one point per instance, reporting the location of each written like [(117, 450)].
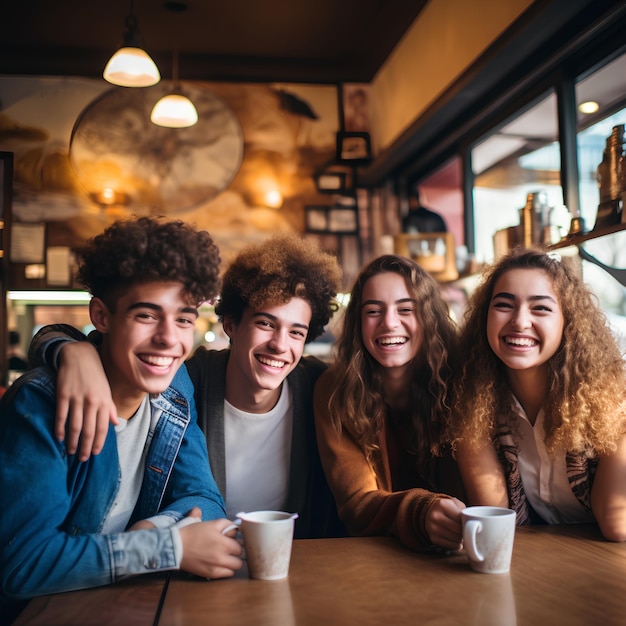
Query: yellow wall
[(447, 37)]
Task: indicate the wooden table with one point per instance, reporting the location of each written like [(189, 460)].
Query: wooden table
[(559, 575), (133, 602)]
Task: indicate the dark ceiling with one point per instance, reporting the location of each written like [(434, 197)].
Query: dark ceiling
[(317, 41)]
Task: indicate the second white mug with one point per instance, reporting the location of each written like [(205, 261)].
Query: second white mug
[(488, 533)]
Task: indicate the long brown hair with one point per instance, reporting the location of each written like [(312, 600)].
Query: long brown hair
[(357, 403)]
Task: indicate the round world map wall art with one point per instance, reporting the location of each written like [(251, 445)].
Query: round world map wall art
[(122, 158)]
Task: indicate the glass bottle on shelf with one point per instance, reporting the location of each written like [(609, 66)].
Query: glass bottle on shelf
[(609, 178)]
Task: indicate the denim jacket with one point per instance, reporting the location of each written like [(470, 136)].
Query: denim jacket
[(52, 507)]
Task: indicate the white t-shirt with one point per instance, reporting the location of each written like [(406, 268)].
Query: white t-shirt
[(258, 453), (133, 440), (544, 477)]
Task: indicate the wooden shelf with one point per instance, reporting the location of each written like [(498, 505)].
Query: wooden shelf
[(575, 240)]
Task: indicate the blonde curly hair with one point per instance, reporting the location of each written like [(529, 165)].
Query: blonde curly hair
[(584, 407)]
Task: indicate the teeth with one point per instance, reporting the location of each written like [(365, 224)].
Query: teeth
[(158, 361), (271, 362), (520, 341), (390, 341)]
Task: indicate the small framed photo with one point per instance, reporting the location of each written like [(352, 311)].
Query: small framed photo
[(58, 264), (356, 107), (342, 220), (347, 200), (316, 219), (354, 148), (330, 182)]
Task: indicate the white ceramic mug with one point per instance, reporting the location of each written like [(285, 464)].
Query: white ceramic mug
[(267, 537), (488, 533)]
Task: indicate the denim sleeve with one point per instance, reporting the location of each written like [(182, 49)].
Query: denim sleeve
[(66, 563), (46, 344), (52, 506), (192, 483)]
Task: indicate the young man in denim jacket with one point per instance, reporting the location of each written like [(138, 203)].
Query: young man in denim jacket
[(65, 523)]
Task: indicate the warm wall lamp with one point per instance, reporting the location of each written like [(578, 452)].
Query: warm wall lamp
[(174, 110), (131, 66)]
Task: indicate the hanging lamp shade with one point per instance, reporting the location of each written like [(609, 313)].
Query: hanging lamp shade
[(174, 111), (131, 66)]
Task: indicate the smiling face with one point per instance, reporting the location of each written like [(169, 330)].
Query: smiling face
[(390, 329), (525, 321), (265, 348), (145, 340)]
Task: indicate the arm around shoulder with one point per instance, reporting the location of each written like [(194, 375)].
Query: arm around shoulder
[(85, 406), (46, 343)]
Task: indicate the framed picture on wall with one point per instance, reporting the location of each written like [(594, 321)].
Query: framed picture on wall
[(342, 220), (316, 218), (330, 182), (356, 107), (354, 148), (333, 218)]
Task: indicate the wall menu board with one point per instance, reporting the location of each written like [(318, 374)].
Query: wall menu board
[(28, 242)]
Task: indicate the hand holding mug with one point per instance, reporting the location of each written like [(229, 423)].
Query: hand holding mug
[(268, 537)]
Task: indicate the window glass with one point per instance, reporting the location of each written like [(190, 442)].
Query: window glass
[(442, 192), (603, 95), (606, 87), (519, 158)]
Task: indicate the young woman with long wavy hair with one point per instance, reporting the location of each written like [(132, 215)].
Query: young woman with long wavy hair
[(381, 409)]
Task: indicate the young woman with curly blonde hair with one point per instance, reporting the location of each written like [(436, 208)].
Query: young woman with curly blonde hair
[(540, 416), (380, 410)]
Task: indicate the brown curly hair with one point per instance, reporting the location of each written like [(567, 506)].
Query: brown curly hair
[(584, 406), (144, 249), (280, 268), (357, 402)]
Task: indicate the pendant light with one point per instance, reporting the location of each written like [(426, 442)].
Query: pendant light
[(174, 110), (131, 66)]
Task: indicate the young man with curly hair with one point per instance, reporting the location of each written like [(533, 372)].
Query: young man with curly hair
[(66, 524), (255, 399)]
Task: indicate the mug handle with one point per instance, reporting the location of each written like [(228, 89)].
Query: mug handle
[(234, 526), (471, 529)]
